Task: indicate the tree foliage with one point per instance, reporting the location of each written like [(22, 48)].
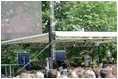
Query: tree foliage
[(90, 15)]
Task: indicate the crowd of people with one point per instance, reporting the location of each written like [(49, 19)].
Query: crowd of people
[(106, 71), (64, 70)]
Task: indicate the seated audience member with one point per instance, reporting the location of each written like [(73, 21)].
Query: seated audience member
[(52, 73), (110, 71), (39, 74), (67, 64), (104, 73), (82, 70), (114, 70), (105, 65), (32, 75), (99, 69), (17, 76), (73, 74), (63, 73), (25, 75), (62, 76), (80, 74), (89, 74), (45, 74), (96, 72), (76, 69), (60, 62)]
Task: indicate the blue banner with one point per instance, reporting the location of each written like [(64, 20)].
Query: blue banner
[(23, 59), (61, 54)]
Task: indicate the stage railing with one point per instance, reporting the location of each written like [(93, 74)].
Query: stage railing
[(9, 69)]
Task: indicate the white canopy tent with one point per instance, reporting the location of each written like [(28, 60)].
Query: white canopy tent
[(67, 36)]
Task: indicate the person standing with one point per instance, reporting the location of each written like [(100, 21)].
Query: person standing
[(19, 25), (67, 64), (109, 56), (87, 57), (60, 64)]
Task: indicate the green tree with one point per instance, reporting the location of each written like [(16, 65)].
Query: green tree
[(90, 15)]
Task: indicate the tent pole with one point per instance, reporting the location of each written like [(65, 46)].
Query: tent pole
[(51, 27)]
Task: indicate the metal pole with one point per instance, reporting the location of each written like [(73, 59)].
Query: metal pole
[(5, 70), (51, 34), (52, 19), (10, 70), (52, 24)]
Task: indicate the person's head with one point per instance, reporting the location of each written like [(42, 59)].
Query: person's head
[(62, 76), (52, 73), (39, 74), (104, 73), (31, 75), (63, 73), (109, 69), (73, 74), (114, 70), (105, 65), (76, 69), (25, 75), (18, 6), (80, 74), (68, 70), (108, 50), (89, 74), (19, 9)]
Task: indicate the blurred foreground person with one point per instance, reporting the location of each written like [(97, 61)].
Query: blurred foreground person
[(114, 70), (104, 73), (38, 75), (73, 74), (109, 56), (89, 74), (62, 76), (52, 73), (61, 64), (110, 71), (25, 75)]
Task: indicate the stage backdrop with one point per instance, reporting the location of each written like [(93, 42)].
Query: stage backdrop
[(20, 19)]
